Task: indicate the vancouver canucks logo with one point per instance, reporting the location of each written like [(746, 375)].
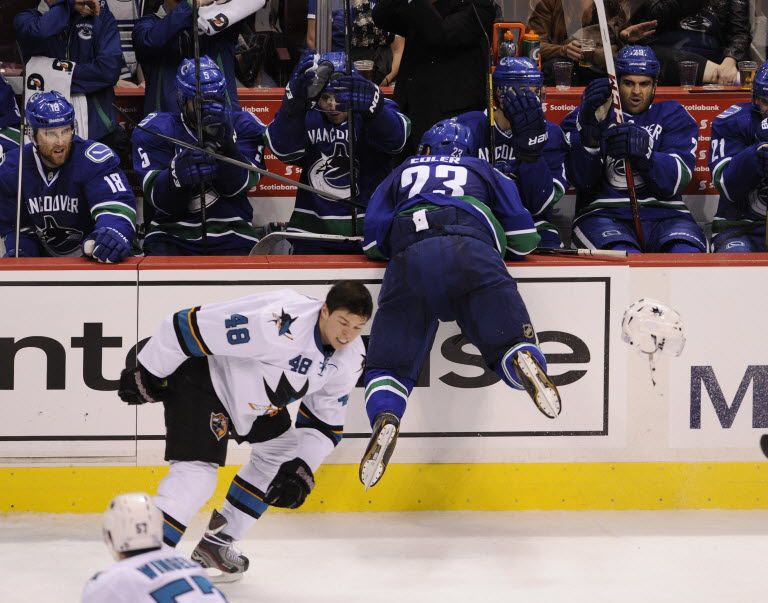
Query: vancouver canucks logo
[(284, 393), (59, 240), (330, 173), (616, 174), (284, 322)]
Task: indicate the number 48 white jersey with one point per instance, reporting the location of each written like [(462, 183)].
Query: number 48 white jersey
[(159, 576)]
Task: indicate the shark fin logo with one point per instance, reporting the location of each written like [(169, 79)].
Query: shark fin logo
[(284, 393), (284, 322)]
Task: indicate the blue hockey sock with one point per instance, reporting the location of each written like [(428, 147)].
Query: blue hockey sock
[(386, 392)]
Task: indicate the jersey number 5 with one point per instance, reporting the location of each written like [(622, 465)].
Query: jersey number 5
[(452, 176)]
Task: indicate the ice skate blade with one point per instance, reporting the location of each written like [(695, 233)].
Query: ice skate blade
[(218, 577), (371, 469), (542, 390)]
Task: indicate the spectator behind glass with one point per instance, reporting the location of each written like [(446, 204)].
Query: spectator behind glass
[(126, 13), (84, 32), (715, 33), (163, 39), (368, 41), (445, 62)]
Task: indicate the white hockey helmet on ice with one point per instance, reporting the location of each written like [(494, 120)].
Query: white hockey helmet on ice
[(132, 522), (651, 326)]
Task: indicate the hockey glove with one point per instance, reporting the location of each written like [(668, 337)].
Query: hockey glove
[(628, 141), (191, 168), (526, 117), (218, 131), (591, 121), (357, 94), (139, 386), (761, 151), (291, 486), (295, 97), (107, 245)]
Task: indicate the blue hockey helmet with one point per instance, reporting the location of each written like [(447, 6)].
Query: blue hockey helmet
[(446, 137), (637, 60), (517, 73), (760, 83), (49, 110), (213, 85)]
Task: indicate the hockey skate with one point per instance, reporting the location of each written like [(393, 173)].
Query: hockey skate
[(216, 551), (380, 448), (538, 385)]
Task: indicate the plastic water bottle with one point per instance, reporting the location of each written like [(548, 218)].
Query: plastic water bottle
[(508, 48), (532, 47)]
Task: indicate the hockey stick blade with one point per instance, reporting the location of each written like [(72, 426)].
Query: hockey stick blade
[(268, 243)]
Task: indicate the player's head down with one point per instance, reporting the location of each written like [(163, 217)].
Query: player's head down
[(446, 137), (637, 70), (213, 85), (326, 101), (132, 524), (51, 119), (517, 74), (760, 90), (346, 310)]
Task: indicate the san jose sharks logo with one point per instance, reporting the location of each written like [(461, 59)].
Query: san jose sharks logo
[(330, 173), (284, 322), (219, 425), (58, 240), (284, 393)]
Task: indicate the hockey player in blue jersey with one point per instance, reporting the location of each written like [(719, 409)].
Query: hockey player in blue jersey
[(738, 162), (75, 199), (659, 141), (311, 129), (529, 148), (10, 119), (172, 175), (446, 220)]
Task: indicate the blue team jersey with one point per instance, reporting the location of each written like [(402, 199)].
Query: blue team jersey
[(60, 207), (177, 217), (735, 167), (321, 149), (600, 180), (468, 183)]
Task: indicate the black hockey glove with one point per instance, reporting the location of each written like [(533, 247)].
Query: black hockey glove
[(357, 94), (589, 123), (628, 141), (291, 486), (139, 386), (526, 118)]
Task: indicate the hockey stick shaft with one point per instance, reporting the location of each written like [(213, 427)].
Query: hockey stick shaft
[(20, 177), (351, 121), (600, 254), (199, 118), (491, 114), (246, 166), (616, 100)]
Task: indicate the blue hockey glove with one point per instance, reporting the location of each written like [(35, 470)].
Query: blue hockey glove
[(192, 167), (139, 386), (107, 245), (628, 141), (296, 95), (291, 486), (761, 151), (526, 117), (218, 131), (590, 126), (506, 167), (355, 93)]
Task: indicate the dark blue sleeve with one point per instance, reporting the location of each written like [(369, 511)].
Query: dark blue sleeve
[(542, 182), (153, 36), (29, 245), (733, 160), (379, 215), (33, 28), (108, 192), (232, 180), (286, 136), (389, 129), (583, 167), (104, 70)]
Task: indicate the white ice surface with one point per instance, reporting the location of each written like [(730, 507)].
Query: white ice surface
[(466, 557)]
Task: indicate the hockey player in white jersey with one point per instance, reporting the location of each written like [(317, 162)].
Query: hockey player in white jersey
[(145, 570), (229, 370)]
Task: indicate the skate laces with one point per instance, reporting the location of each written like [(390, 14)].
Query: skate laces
[(225, 547)]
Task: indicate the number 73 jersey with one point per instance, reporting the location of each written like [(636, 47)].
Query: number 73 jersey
[(264, 352)]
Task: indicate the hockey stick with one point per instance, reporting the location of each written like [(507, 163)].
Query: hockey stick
[(598, 254), (199, 119), (22, 140), (235, 162), (616, 101), (268, 243), (491, 111), (351, 130)]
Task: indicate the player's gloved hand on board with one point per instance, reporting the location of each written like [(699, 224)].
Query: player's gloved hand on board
[(218, 131), (355, 93), (291, 486), (296, 92), (107, 245), (139, 386), (192, 167), (592, 112), (526, 117), (628, 141)]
